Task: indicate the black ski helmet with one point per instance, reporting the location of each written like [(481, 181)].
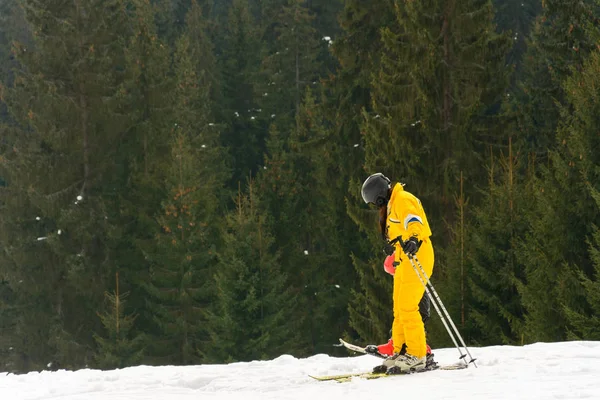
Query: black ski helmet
[(375, 189)]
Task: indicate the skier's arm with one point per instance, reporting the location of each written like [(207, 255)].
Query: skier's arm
[(406, 219), (412, 218)]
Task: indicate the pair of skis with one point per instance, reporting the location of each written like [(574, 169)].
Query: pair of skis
[(373, 375)]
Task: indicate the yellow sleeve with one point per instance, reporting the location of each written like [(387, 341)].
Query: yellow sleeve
[(414, 219), (407, 219)]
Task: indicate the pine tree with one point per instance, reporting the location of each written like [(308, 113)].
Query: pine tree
[(56, 167), (148, 60), (8, 317), (239, 62), (586, 325), (291, 65), (118, 349), (278, 187), (256, 306), (370, 309), (560, 253), (495, 274), (199, 29), (300, 187), (583, 92), (147, 99), (183, 255), (454, 276), (326, 16), (517, 17), (559, 43), (181, 259), (358, 51), (13, 27), (317, 210), (172, 14), (540, 251)]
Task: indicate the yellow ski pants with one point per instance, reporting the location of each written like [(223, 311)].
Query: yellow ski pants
[(408, 326)]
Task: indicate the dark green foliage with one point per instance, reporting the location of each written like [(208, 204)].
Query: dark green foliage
[(291, 64), (561, 39), (371, 312), (125, 125), (431, 94), (540, 252), (554, 250), (181, 259), (254, 319), (311, 207), (171, 16), (586, 325), (358, 50), (564, 240), (182, 256), (146, 99), (517, 17), (118, 349), (56, 164), (8, 314), (495, 277), (12, 28), (244, 134)]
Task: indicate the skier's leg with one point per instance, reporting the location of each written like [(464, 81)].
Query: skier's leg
[(411, 293), (414, 330), (397, 325)]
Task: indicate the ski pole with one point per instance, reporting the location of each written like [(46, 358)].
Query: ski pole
[(437, 309), (433, 295)]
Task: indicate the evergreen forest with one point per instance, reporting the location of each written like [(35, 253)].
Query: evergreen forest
[(180, 179)]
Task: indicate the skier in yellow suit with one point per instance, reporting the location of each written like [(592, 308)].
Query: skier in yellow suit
[(402, 216)]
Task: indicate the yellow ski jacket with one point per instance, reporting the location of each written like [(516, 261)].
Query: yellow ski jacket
[(406, 216)]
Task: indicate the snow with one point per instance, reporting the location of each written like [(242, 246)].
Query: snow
[(566, 370)]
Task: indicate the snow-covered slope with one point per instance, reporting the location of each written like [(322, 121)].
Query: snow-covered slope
[(569, 370)]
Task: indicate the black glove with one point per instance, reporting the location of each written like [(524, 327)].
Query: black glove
[(388, 249), (372, 349), (411, 246)]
